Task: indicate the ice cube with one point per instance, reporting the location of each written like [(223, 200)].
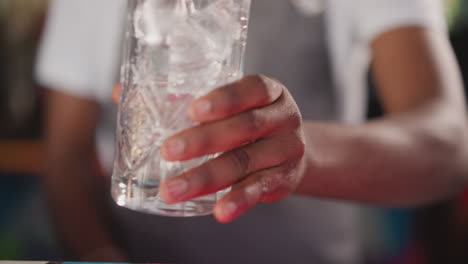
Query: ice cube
[(155, 18), (183, 46), (200, 45), (216, 21), (193, 64), (152, 64), (201, 4), (185, 7)]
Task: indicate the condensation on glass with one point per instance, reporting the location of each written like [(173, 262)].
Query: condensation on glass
[(175, 51)]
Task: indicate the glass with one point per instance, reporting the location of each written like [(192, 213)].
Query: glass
[(175, 51)]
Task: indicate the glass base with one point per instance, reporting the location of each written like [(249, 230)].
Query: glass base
[(147, 200), (159, 207)]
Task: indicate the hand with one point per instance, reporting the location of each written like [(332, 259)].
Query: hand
[(257, 125)]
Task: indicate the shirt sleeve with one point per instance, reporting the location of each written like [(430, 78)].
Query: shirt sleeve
[(78, 54), (374, 17)]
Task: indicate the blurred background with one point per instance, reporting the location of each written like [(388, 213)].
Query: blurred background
[(24, 225), (436, 234)]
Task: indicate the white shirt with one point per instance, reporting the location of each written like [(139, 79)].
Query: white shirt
[(353, 25)]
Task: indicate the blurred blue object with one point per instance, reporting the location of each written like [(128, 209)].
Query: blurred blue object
[(398, 226), (389, 234)]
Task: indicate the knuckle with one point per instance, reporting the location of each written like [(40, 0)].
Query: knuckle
[(268, 89), (202, 181), (296, 120), (293, 117), (299, 145), (201, 176), (229, 93), (201, 140), (257, 79), (294, 151), (241, 160), (277, 185), (226, 98), (252, 193), (252, 121), (300, 149), (205, 180), (270, 184)]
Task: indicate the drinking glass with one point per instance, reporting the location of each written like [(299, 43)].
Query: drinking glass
[(174, 52)]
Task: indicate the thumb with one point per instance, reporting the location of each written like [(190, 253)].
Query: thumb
[(116, 93)]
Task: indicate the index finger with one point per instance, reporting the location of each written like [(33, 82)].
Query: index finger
[(248, 93)]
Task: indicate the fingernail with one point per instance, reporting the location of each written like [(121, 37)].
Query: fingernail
[(174, 147), (176, 188), (201, 108)]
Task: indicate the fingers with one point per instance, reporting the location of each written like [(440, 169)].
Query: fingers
[(248, 93), (116, 93), (232, 167), (256, 123), (224, 135), (249, 192)]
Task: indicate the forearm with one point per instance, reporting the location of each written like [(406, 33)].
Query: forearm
[(73, 188), (409, 159), (77, 208)]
